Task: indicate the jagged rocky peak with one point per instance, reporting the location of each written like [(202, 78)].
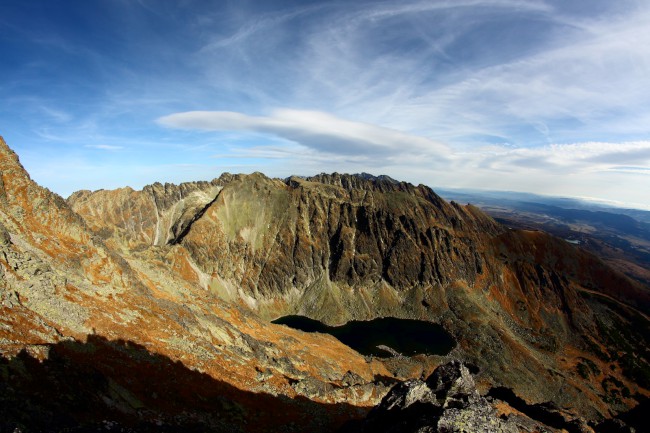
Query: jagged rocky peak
[(168, 194), (162, 213), (364, 181), (354, 181), (48, 258), (359, 185), (37, 214), (17, 190), (381, 177), (156, 215), (312, 232)]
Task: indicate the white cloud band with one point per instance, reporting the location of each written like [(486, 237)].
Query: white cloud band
[(316, 130)]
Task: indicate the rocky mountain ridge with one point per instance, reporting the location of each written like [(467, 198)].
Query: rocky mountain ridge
[(342, 247), (194, 272), (69, 302)]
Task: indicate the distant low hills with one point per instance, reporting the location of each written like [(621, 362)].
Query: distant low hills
[(619, 236)]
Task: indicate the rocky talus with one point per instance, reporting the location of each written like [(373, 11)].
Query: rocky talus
[(447, 401)]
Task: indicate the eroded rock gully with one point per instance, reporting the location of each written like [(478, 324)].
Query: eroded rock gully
[(192, 273)]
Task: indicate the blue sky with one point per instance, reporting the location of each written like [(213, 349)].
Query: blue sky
[(551, 97)]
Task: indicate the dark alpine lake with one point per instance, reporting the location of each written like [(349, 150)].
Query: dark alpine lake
[(405, 336)]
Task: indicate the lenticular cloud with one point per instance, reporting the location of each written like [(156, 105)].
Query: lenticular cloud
[(316, 130)]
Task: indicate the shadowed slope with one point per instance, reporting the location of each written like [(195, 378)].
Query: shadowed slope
[(101, 385)]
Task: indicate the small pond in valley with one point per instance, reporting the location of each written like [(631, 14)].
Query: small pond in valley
[(405, 336)]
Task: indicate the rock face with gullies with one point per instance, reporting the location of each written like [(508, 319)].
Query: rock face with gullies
[(157, 215), (264, 240), (336, 247)]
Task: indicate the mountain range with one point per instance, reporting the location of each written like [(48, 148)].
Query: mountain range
[(151, 310)]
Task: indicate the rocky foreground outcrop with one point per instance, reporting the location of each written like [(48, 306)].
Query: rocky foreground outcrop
[(448, 402)]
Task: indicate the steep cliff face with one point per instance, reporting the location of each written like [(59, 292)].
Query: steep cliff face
[(157, 215), (533, 312), (327, 246), (335, 250), (47, 252)]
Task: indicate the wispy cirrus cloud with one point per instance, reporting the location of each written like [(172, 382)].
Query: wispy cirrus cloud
[(109, 147), (538, 96), (569, 159), (591, 85), (532, 73)]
